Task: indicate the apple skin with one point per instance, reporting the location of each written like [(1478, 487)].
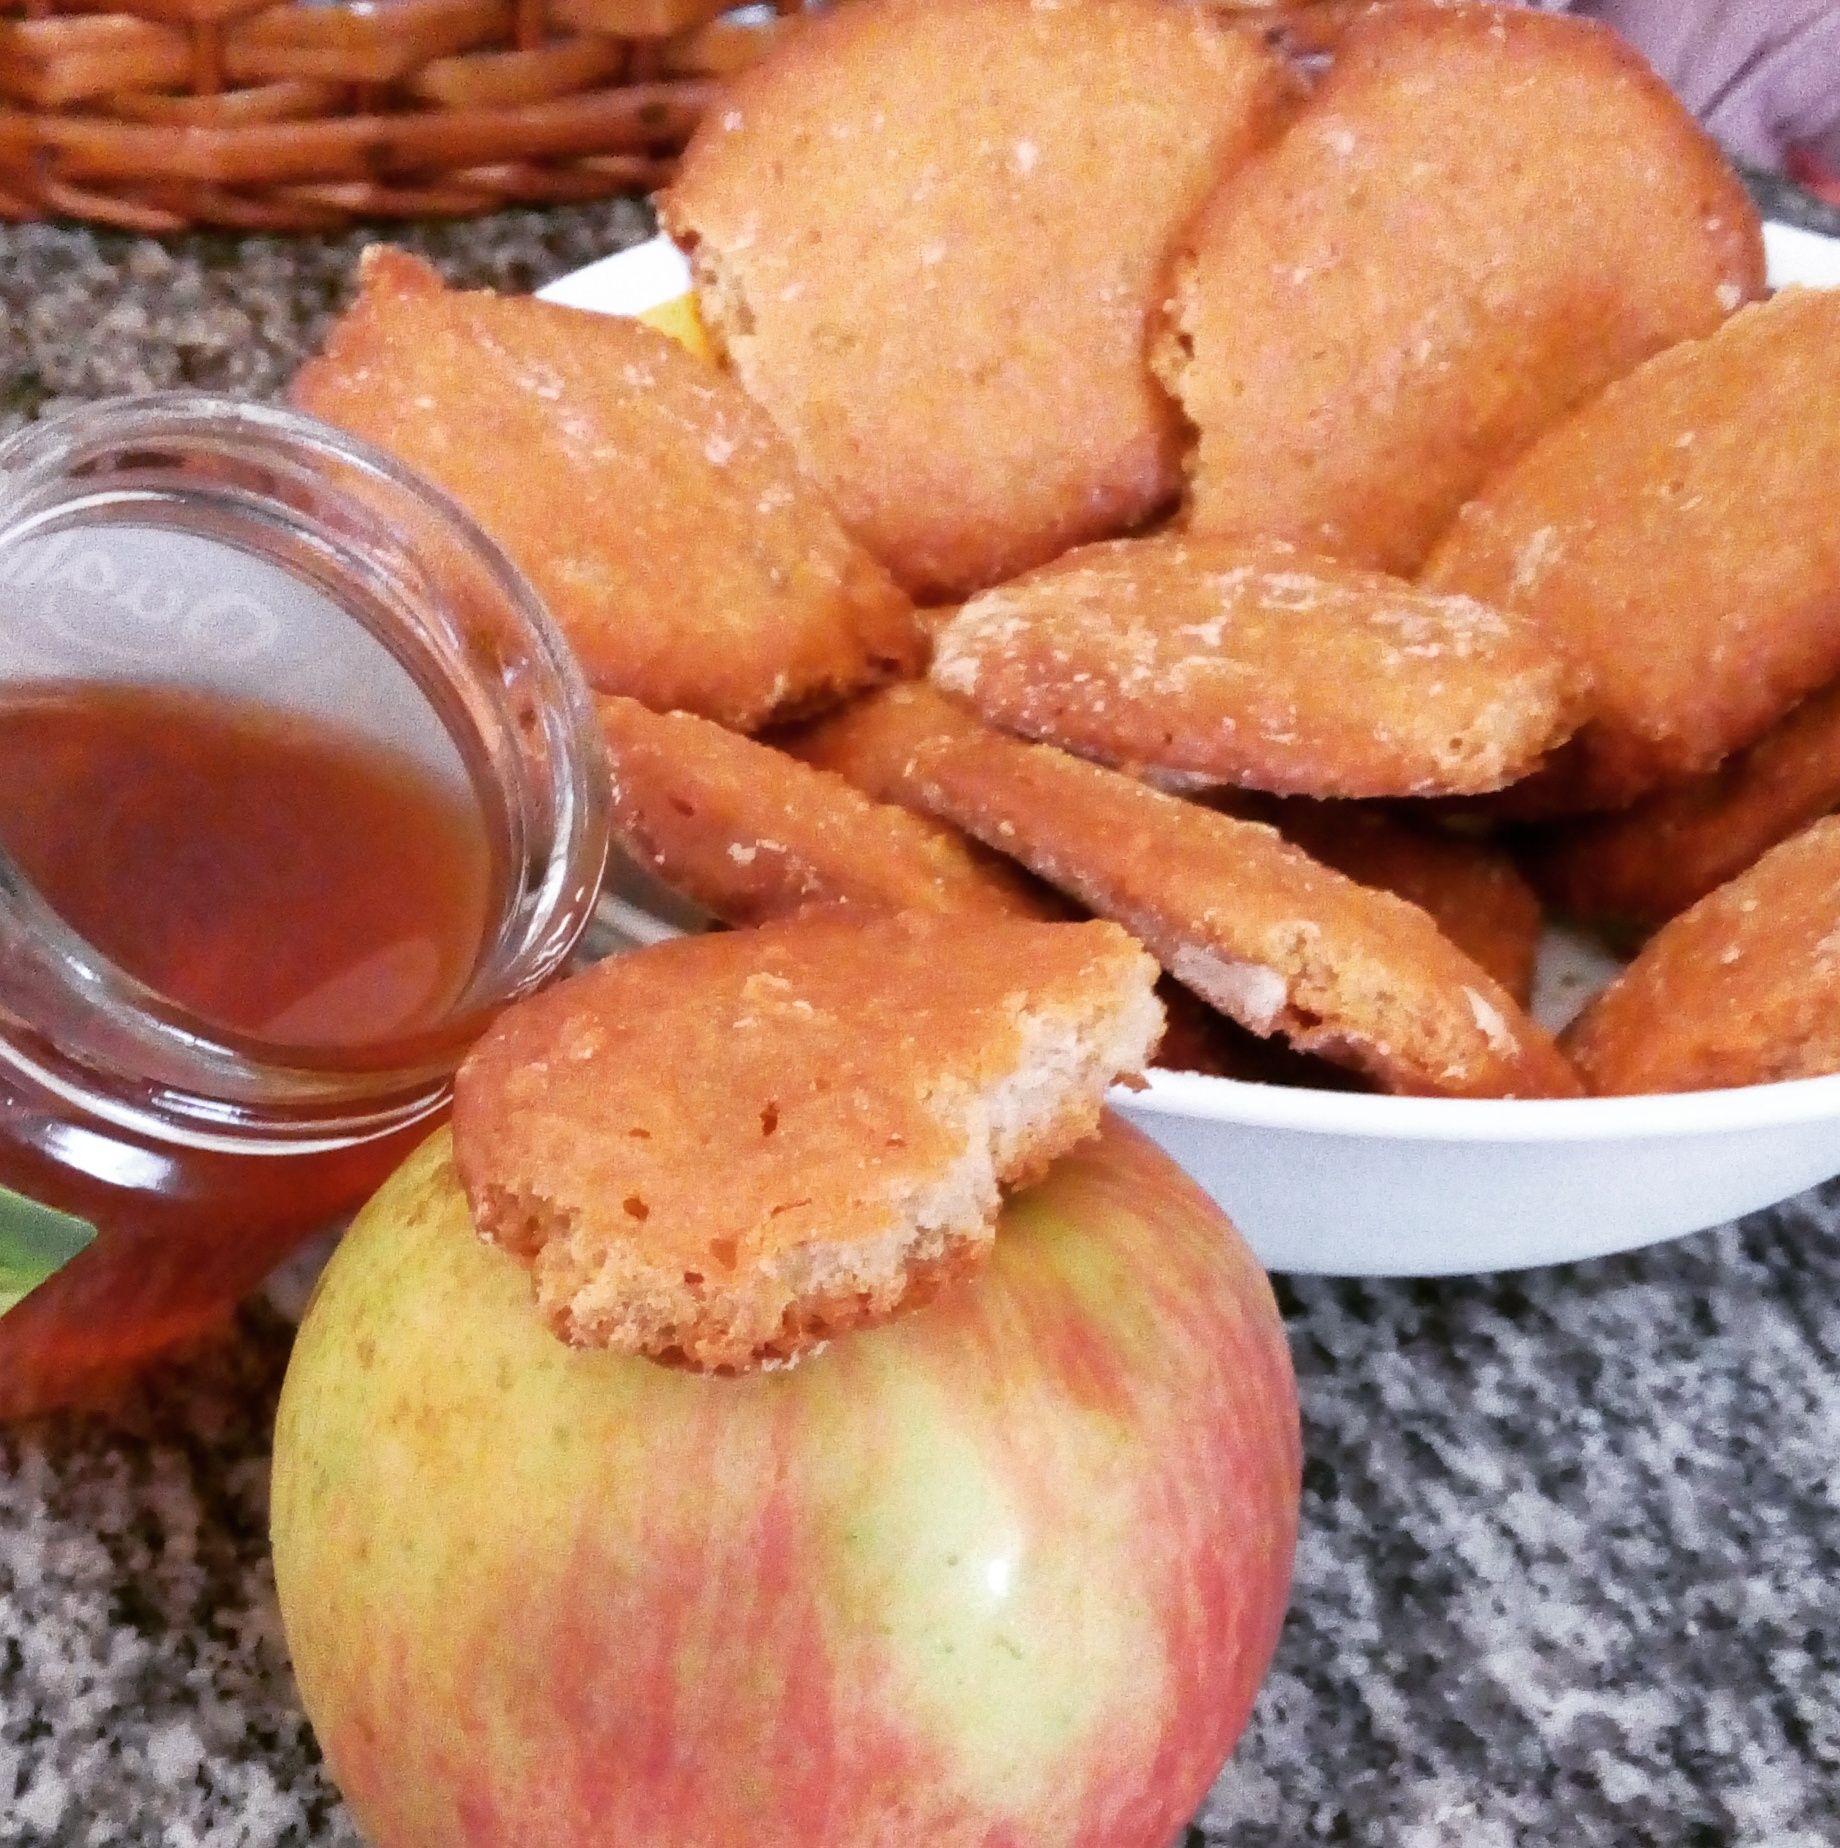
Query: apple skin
[(1003, 1573)]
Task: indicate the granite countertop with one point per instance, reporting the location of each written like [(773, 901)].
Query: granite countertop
[(1570, 1539)]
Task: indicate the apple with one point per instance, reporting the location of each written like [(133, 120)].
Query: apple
[(1005, 1572)]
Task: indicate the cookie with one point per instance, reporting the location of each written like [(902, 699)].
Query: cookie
[(751, 834), (1315, 28), (1743, 988), (1471, 889), (1648, 863), (1434, 264), (1253, 925), (1677, 537), (871, 742), (1199, 1040), (930, 238), (1245, 662), (723, 1150), (658, 512)]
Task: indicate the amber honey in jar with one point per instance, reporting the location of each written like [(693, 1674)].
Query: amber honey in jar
[(297, 788)]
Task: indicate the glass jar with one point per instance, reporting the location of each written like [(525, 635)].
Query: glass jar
[(154, 1166)]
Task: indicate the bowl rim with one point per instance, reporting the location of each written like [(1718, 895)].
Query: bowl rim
[(1783, 1104)]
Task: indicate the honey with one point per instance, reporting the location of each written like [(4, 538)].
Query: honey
[(264, 872)]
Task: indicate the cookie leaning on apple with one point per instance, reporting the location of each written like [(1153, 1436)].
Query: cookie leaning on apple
[(696, 1449)]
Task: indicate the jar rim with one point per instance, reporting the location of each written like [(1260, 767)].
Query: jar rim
[(505, 674)]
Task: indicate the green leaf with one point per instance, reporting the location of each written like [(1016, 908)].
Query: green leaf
[(35, 1241)]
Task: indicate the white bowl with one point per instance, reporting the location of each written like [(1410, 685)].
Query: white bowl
[(1353, 1185), (1418, 1187)]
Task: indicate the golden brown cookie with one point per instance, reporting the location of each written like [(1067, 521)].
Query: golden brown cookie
[(1677, 537), (1313, 28), (1254, 926), (662, 517), (1744, 988), (871, 742), (1645, 864), (930, 239), (1436, 261), (1245, 662), (723, 1150), (1199, 1039), (751, 834), (1472, 890)]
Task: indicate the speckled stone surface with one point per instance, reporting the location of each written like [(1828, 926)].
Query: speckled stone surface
[(86, 314), (1571, 1540)]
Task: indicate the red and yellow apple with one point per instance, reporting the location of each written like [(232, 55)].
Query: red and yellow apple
[(1003, 1573)]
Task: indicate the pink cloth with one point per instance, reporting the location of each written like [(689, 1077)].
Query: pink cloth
[(1763, 75)]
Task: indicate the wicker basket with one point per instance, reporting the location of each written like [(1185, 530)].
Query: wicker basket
[(156, 115), (302, 115)]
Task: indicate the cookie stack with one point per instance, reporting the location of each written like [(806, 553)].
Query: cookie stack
[(1339, 511)]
